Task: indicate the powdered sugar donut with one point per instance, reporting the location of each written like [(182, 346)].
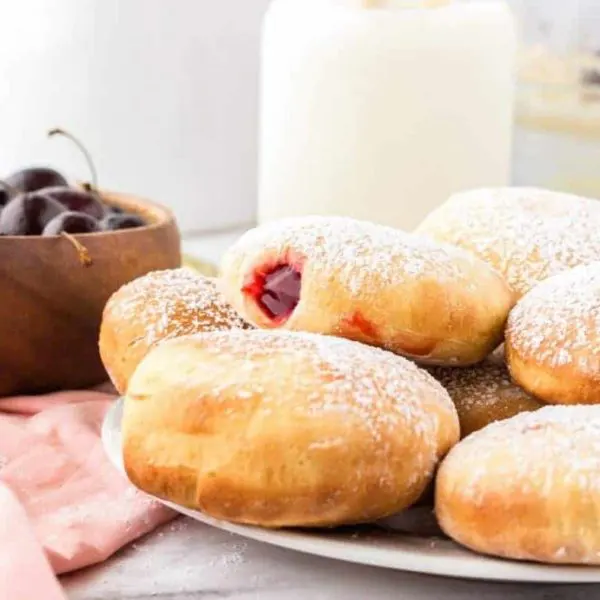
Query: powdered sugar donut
[(484, 394), (527, 488), (527, 234), (553, 338), (156, 307), (377, 285), (279, 428)]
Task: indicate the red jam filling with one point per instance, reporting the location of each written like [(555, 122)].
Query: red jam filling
[(357, 322), (276, 291)]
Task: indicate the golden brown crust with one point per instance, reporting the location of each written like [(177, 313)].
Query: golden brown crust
[(553, 338), (527, 488), (159, 306), (378, 286), (284, 429), (527, 234), (484, 394), (554, 384)]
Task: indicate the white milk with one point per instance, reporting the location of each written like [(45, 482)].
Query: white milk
[(381, 110)]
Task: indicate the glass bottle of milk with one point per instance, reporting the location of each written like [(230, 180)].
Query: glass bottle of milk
[(380, 110)]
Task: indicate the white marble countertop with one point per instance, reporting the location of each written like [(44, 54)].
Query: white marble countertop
[(185, 559)]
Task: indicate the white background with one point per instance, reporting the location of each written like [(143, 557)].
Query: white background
[(164, 93)]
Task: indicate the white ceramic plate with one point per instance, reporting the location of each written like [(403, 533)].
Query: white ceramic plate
[(409, 542)]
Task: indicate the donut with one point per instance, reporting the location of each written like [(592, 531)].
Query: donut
[(553, 338), (527, 488), (528, 234), (498, 356), (483, 394), (368, 283), (156, 307), (284, 429)]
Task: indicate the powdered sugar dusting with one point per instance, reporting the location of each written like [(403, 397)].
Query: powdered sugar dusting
[(358, 251), (172, 303), (383, 393), (486, 387), (528, 234), (556, 445), (129, 509), (558, 322), (474, 385), (232, 556)]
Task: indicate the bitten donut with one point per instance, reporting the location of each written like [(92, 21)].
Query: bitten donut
[(380, 286), (277, 428), (527, 488), (553, 338), (156, 307), (527, 234), (483, 394)]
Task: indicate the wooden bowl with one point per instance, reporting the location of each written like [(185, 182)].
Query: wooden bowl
[(51, 304)]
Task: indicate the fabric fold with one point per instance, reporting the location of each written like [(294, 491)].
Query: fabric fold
[(24, 569), (60, 491)]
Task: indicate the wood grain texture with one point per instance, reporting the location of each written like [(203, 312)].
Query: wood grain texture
[(51, 305)]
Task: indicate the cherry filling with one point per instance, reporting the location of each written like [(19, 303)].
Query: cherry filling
[(356, 322), (277, 291)]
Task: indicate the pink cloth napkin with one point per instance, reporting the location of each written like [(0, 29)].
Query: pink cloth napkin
[(63, 506)]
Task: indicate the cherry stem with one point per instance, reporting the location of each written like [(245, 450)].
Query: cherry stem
[(82, 148), (90, 189), (84, 256), (13, 191)]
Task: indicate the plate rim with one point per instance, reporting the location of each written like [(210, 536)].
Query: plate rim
[(458, 565)]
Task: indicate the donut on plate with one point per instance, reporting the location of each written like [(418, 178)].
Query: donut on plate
[(278, 428), (483, 394), (527, 488), (527, 234), (380, 286), (553, 338), (156, 307)]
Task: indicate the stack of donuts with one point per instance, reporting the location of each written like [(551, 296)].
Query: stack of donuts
[(337, 370)]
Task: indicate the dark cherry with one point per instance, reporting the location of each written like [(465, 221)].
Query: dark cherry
[(77, 200), (5, 196), (116, 221), (28, 180), (71, 222), (35, 178), (277, 292), (28, 214)]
